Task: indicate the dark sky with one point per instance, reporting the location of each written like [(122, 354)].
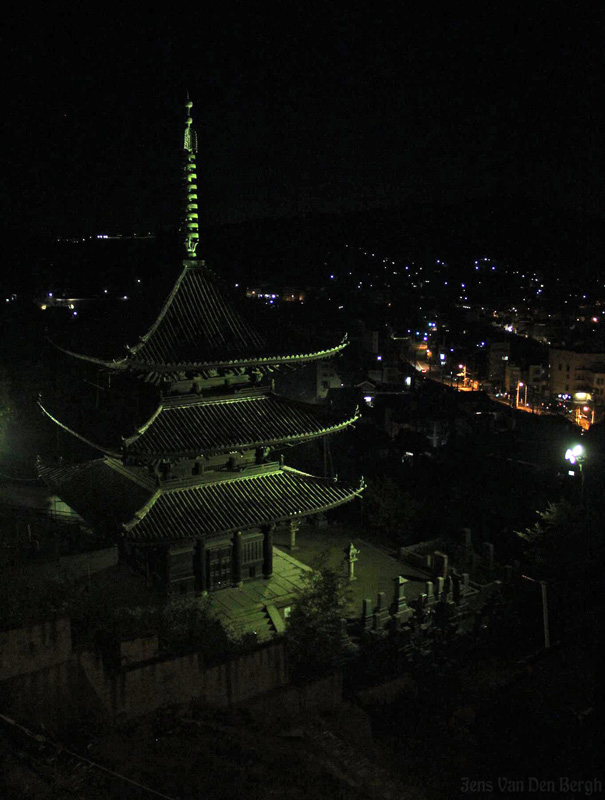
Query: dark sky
[(299, 106)]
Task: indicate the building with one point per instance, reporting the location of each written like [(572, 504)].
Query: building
[(499, 356), (327, 378), (193, 495), (577, 373)]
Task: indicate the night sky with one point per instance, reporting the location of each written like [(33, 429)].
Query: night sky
[(299, 107)]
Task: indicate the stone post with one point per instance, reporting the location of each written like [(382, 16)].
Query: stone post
[(294, 526), (381, 612), (351, 556), (439, 583), (422, 611), (440, 564), (399, 601), (457, 587), (487, 551), (400, 610), (367, 616)]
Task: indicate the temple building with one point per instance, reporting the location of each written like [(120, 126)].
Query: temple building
[(193, 496)]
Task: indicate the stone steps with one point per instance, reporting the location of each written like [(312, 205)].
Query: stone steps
[(257, 622)]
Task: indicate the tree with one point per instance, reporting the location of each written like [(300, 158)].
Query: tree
[(558, 540), (314, 631), (389, 510)]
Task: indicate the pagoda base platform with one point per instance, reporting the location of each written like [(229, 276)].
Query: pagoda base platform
[(260, 607)]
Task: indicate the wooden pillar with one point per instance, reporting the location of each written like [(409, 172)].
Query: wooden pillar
[(268, 551), (164, 568), (200, 565), (236, 558)]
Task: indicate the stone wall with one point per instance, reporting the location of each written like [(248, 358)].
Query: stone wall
[(420, 555), (34, 647), (146, 687), (482, 567), (54, 696), (387, 692), (43, 679)]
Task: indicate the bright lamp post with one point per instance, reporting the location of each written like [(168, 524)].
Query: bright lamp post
[(576, 455), (519, 385)]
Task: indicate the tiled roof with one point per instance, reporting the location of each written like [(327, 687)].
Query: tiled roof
[(237, 503), (104, 491), (199, 328), (99, 490), (196, 325), (187, 426)]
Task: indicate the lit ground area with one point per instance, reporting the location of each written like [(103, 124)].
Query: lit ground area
[(375, 571), (258, 606)]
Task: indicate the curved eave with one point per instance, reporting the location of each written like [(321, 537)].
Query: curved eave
[(117, 364), (94, 445), (259, 523), (255, 361), (130, 526), (127, 441), (129, 363), (231, 448)]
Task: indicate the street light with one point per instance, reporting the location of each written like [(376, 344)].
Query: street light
[(577, 455), (519, 385)]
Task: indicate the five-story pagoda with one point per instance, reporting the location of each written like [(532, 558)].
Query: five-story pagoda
[(193, 496)]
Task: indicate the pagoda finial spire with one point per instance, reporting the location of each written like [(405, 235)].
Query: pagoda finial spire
[(190, 217)]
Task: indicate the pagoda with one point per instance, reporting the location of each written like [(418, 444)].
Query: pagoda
[(193, 496)]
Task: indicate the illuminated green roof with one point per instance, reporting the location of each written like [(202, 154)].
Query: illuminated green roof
[(104, 490), (192, 426), (199, 329)]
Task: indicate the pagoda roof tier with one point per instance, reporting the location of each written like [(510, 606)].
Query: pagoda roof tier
[(199, 329), (192, 426), (101, 490), (150, 515)]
